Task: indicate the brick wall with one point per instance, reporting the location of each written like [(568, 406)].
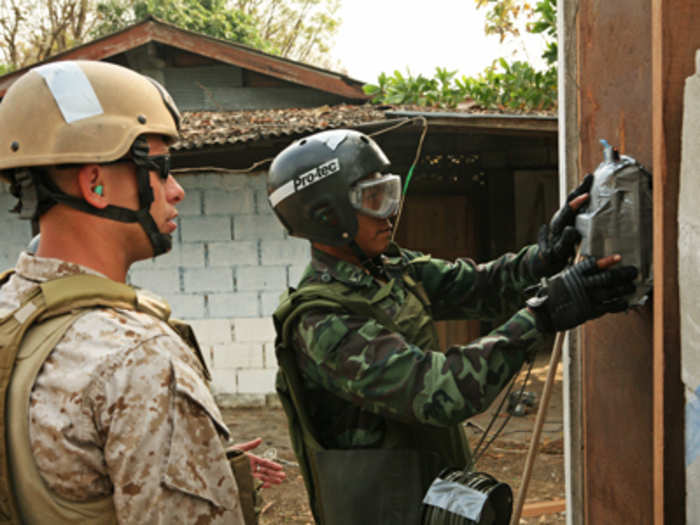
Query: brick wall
[(230, 262), (14, 234)]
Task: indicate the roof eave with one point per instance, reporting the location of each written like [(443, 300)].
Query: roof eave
[(153, 30), (484, 121)]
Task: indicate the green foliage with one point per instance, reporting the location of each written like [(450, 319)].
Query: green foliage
[(502, 17), (514, 86), (210, 17), (504, 86), (297, 29), (300, 29), (507, 86), (442, 90), (546, 24)]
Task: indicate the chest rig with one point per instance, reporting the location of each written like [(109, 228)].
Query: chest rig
[(380, 485)]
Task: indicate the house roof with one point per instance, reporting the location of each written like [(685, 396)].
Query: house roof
[(210, 129), (153, 30)]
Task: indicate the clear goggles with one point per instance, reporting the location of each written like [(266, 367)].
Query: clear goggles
[(378, 197)]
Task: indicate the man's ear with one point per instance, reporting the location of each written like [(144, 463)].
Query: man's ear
[(91, 181)]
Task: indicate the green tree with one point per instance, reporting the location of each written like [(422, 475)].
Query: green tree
[(296, 29), (33, 31), (505, 85), (299, 29), (518, 85), (210, 17)]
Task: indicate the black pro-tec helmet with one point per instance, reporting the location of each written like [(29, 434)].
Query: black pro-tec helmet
[(309, 183)]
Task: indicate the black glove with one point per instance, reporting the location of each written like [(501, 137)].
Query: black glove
[(579, 293), (557, 240)]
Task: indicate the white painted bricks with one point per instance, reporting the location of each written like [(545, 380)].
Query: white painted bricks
[(269, 302), (261, 278), (215, 280), (247, 227), (292, 251), (238, 355), (239, 304), (212, 331), (161, 281), (254, 330), (194, 229), (260, 381), (233, 253), (217, 202), (186, 306)]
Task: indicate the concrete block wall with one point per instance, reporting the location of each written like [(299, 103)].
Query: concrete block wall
[(230, 262), (689, 287), (15, 233)]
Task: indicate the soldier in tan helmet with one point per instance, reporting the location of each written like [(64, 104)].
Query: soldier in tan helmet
[(108, 415)]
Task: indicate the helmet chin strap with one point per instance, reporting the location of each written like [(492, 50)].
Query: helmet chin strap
[(371, 264), (48, 194)]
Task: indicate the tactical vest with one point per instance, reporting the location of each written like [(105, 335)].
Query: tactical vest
[(27, 336), (384, 485)]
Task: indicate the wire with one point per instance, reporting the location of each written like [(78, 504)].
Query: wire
[(478, 451), (199, 169), (252, 167), (409, 175)]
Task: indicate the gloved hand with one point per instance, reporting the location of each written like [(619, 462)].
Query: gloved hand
[(581, 292), (557, 240)]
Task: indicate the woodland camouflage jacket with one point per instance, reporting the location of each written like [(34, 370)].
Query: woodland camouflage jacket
[(356, 372)]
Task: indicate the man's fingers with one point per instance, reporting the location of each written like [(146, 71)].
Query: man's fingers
[(606, 262), (567, 241), (584, 187), (269, 464), (249, 445), (579, 201)]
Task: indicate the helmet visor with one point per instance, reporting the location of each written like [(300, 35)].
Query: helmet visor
[(379, 197)]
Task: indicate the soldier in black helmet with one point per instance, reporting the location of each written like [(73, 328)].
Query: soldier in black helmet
[(374, 405)]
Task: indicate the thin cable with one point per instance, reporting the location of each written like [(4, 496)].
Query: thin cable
[(479, 453), (419, 149), (401, 122), (199, 169), (252, 167)]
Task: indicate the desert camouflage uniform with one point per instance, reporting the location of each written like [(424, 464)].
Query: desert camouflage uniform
[(121, 407), (374, 373)]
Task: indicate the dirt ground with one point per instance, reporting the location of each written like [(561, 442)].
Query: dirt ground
[(504, 459)]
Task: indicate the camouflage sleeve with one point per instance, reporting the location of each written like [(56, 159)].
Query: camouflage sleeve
[(464, 289), (362, 362), (162, 435)]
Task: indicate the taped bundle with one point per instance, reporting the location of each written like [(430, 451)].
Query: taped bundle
[(617, 218)]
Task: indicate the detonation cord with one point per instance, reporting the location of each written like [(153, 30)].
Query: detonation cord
[(479, 450)]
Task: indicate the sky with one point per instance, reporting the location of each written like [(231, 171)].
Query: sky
[(383, 35)]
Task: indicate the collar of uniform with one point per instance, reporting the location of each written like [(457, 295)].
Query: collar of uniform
[(40, 269), (337, 269)]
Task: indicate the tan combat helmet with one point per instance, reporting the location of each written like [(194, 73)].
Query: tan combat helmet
[(75, 112), (79, 112)]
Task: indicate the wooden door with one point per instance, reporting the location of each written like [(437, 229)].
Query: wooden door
[(443, 226)]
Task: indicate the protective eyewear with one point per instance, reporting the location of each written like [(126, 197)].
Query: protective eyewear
[(379, 197), (158, 163)]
